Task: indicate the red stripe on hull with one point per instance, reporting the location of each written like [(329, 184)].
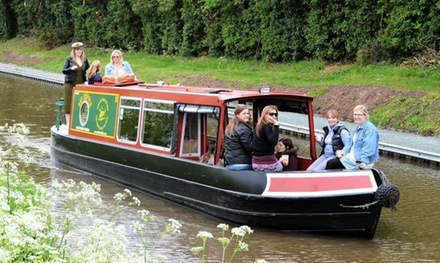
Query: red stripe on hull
[(319, 183)]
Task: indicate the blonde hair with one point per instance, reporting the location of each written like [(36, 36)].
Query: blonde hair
[(262, 119), (95, 68), (235, 121), (116, 51), (332, 113), (83, 55), (363, 109)]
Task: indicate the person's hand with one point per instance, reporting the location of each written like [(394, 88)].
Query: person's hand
[(271, 119), (339, 153), (284, 162), (74, 67), (318, 138), (362, 166)]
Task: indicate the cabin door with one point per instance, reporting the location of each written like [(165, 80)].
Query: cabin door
[(191, 140)]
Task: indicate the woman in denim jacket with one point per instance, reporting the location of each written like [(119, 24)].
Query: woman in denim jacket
[(362, 150), (117, 66)]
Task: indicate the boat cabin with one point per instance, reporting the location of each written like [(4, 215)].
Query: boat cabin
[(176, 120)]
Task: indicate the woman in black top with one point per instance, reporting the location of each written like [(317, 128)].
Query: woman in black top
[(265, 139), (239, 141), (74, 70)]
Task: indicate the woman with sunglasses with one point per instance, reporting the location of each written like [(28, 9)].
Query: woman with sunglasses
[(265, 138), (74, 70), (117, 66)]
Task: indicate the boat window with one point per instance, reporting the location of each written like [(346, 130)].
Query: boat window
[(129, 112), (191, 135), (199, 109), (158, 124)]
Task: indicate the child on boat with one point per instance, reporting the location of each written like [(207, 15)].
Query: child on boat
[(94, 72)]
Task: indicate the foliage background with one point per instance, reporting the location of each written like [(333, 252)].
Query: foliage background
[(268, 30)]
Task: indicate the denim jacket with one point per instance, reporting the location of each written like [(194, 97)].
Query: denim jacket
[(110, 69), (366, 146)]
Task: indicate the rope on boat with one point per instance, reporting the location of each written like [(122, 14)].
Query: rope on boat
[(387, 195)]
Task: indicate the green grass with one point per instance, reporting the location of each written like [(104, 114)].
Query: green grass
[(152, 68)]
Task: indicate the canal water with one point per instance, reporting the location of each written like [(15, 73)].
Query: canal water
[(410, 234)]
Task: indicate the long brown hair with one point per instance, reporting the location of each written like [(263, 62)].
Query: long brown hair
[(235, 121), (262, 119)]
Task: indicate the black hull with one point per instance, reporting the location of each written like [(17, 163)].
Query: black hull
[(229, 196)]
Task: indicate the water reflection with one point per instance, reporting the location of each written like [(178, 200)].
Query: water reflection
[(408, 235)]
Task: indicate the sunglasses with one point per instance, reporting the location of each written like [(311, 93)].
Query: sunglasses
[(273, 114), (115, 57)]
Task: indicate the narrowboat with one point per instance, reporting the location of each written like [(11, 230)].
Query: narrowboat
[(150, 137)]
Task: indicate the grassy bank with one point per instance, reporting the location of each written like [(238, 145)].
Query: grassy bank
[(243, 73), (402, 110)]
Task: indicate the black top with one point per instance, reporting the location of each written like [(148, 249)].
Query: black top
[(239, 146), (264, 144)]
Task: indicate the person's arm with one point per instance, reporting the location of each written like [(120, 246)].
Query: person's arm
[(272, 133), (86, 67), (370, 141), (127, 68), (67, 68), (245, 138), (108, 70), (345, 136), (349, 143)]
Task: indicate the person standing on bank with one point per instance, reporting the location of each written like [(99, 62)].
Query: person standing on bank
[(238, 133), (362, 150), (74, 70), (265, 138), (336, 136), (117, 65)]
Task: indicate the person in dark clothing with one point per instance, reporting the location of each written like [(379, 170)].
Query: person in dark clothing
[(74, 70), (238, 135), (287, 154), (265, 137)]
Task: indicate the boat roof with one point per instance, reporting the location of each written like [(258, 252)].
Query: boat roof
[(198, 95)]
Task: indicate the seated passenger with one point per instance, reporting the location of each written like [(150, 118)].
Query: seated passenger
[(209, 157), (336, 136), (117, 66), (362, 149), (265, 138), (286, 153), (238, 136), (94, 72)]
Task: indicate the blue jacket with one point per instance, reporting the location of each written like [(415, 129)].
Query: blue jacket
[(366, 146), (110, 69)]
